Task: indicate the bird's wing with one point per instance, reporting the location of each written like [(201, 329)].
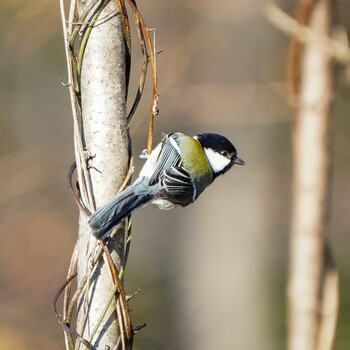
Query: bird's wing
[(177, 186), (168, 157)]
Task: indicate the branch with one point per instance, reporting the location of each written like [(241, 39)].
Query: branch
[(311, 179), (307, 35), (97, 44)]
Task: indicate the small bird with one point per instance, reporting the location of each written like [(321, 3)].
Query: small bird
[(177, 171)]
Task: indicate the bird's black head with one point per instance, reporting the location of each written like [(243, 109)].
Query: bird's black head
[(221, 153)]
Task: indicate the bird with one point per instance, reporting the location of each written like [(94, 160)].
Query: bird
[(176, 172)]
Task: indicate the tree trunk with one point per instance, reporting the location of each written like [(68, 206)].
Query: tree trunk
[(311, 147), (104, 77)]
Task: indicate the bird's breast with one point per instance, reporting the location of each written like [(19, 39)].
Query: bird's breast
[(163, 204), (196, 163)]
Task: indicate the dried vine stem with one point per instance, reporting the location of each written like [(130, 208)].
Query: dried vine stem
[(63, 323), (82, 167), (71, 271), (143, 67), (151, 53), (122, 305)]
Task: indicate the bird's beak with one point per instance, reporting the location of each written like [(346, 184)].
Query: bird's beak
[(239, 161)]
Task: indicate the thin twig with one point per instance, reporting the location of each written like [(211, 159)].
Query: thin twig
[(85, 38), (305, 34), (152, 56), (83, 173), (124, 319), (126, 25), (71, 16), (77, 199), (143, 67), (71, 270), (61, 321), (81, 21)]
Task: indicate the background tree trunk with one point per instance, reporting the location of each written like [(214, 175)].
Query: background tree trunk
[(309, 263)]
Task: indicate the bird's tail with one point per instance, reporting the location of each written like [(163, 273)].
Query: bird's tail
[(118, 208)]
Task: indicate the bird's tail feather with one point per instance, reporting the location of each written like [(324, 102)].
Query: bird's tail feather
[(118, 208)]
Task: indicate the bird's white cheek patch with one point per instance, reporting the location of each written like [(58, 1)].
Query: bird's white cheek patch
[(216, 160)]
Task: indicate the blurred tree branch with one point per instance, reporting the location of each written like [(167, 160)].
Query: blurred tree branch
[(313, 282), (313, 279), (303, 34)]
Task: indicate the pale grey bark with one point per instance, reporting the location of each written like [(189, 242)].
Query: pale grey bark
[(104, 121)]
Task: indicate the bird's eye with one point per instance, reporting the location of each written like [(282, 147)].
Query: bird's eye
[(224, 153)]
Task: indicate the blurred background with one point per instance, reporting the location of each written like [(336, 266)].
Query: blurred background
[(212, 276)]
